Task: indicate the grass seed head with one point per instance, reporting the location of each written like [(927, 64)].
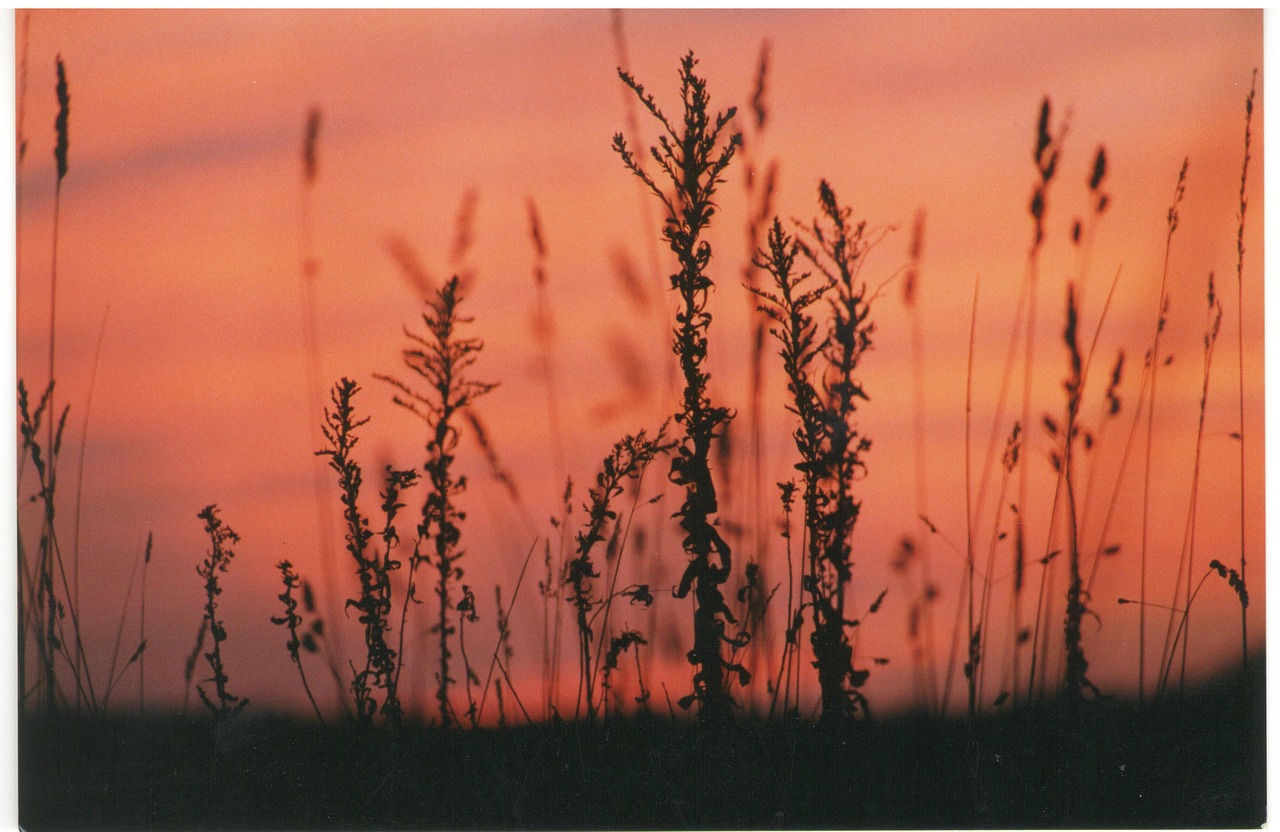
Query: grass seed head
[(309, 138), (60, 124)]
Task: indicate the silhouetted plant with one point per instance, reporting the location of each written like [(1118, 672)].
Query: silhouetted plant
[(1110, 412), (467, 612), (20, 109), (60, 152), (142, 630), (442, 358), (40, 611), (836, 246), (1233, 579), (549, 587), (1048, 147), (60, 123), (502, 650), (797, 335), (291, 621), (216, 563), (753, 607), (795, 610), (1244, 204), (627, 460), (36, 597), (373, 568), (503, 647), (1186, 563), (113, 678), (1075, 681), (621, 643), (1065, 460), (975, 667), (1153, 363), (397, 481), (692, 155), (50, 552), (193, 658)]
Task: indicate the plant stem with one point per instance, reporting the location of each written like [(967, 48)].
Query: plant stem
[(1244, 172), (695, 162), (970, 670), (1154, 362)]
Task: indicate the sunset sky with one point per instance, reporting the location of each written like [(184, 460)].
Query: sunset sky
[(180, 249)]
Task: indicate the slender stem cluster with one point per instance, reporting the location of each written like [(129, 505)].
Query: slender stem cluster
[(39, 609), (628, 460), (693, 156), (1244, 204), (467, 612), (618, 645), (828, 439), (1186, 562), (373, 568), (217, 562), (442, 358), (291, 621), (60, 151), (1153, 362), (41, 597), (1075, 680), (797, 335), (1047, 149)]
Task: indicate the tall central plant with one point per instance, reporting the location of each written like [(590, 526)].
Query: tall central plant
[(837, 246), (830, 444), (442, 358), (693, 156)]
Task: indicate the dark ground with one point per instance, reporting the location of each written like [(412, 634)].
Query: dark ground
[(1195, 763)]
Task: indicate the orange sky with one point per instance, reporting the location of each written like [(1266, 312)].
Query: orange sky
[(180, 229)]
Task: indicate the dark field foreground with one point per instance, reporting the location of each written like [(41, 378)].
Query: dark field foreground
[(1195, 763)]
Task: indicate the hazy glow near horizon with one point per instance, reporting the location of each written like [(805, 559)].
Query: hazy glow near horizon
[(179, 252)]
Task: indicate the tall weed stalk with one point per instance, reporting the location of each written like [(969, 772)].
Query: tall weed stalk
[(1244, 204), (837, 247), (290, 620), (1186, 562), (41, 601), (48, 608), (20, 109), (693, 152), (215, 564), (628, 460), (374, 568), (796, 331), (1153, 365), (1075, 681), (1048, 147), (442, 358)]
